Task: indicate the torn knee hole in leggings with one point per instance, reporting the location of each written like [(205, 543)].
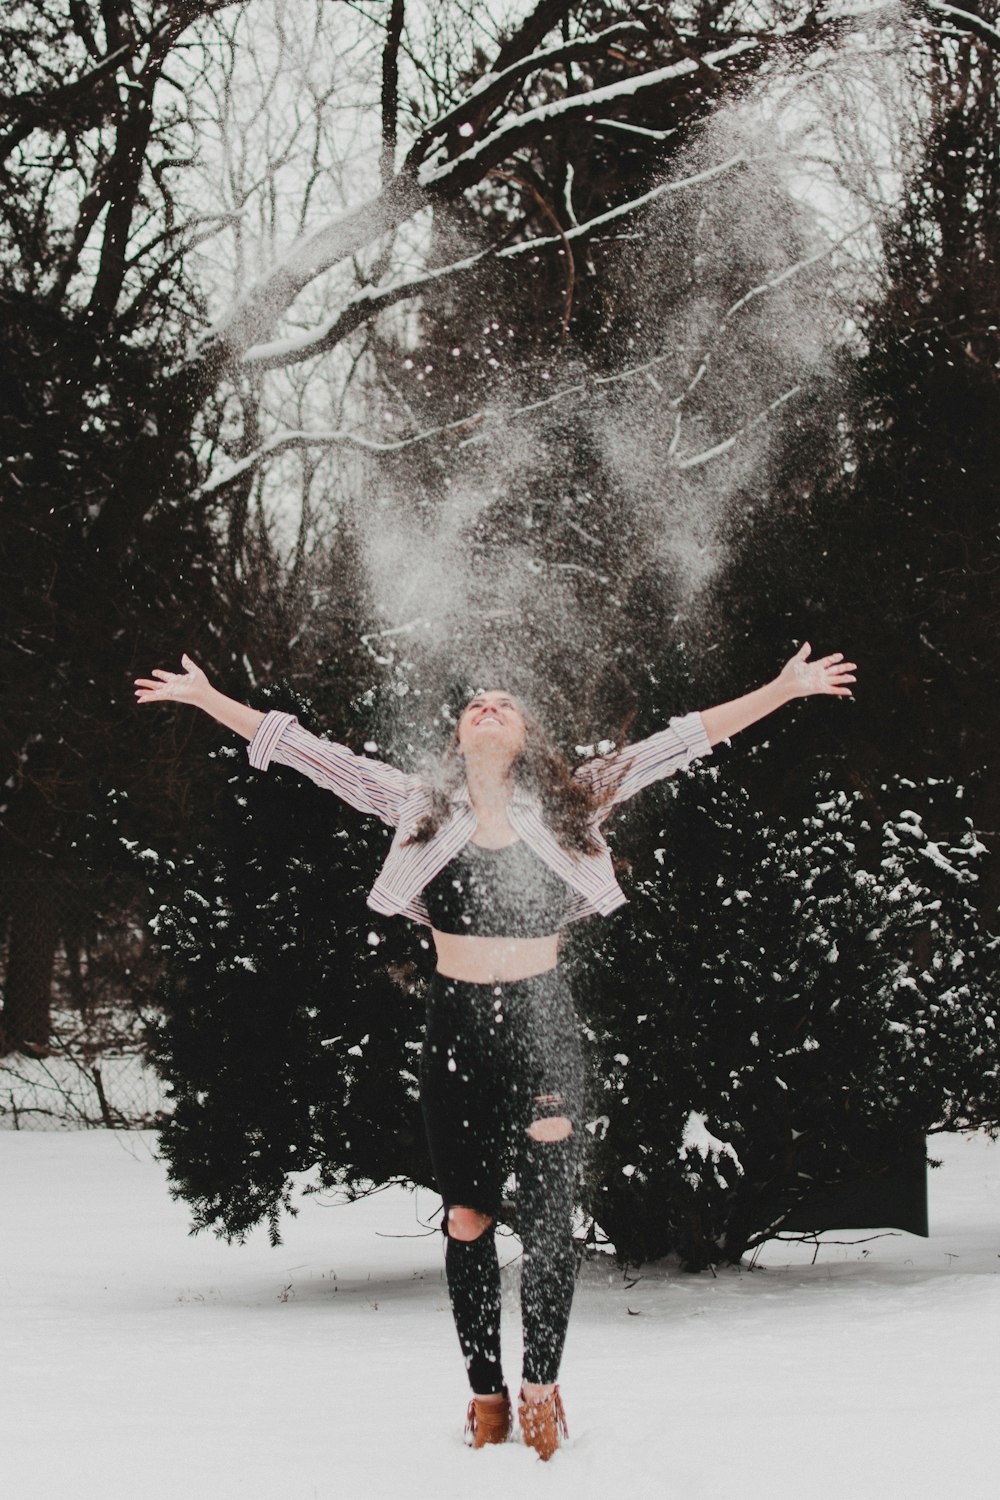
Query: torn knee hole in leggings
[(551, 1123), (465, 1224)]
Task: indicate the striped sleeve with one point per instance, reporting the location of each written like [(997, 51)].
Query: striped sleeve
[(369, 785), (629, 770)]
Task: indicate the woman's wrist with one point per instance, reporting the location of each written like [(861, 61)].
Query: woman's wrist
[(727, 719), (207, 698), (781, 691), (229, 712)]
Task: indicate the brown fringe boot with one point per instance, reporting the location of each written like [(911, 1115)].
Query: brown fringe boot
[(488, 1422), (542, 1422)]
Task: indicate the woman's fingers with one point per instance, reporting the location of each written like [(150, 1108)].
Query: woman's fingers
[(832, 675), (164, 685), (828, 674)]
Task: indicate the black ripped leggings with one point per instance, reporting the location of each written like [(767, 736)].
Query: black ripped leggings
[(497, 1058)]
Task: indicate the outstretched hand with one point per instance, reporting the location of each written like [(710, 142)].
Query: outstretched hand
[(829, 674), (172, 687)]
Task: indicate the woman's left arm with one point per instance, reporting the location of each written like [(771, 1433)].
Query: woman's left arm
[(798, 678), (616, 777)]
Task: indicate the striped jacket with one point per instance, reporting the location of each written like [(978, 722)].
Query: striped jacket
[(401, 800)]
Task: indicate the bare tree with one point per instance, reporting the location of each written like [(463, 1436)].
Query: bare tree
[(533, 102), (172, 362)]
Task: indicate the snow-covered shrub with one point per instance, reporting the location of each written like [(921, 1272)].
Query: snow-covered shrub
[(783, 1007), (290, 1033), (803, 1004)]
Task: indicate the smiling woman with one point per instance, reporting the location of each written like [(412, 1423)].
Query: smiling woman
[(497, 857)]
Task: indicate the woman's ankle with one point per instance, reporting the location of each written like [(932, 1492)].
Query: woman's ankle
[(534, 1393)]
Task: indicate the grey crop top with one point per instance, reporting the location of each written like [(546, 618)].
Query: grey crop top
[(506, 892)]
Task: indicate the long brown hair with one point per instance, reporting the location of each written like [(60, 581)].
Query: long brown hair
[(568, 803)]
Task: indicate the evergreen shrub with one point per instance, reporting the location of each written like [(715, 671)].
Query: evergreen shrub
[(290, 1029), (785, 1005), (822, 994)]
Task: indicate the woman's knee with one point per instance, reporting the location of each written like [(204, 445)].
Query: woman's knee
[(557, 1128), (467, 1224), (551, 1123)]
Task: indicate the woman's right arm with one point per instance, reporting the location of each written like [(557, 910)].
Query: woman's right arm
[(369, 785), (192, 686)]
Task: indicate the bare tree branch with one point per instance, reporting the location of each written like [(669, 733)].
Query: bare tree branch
[(964, 20), (474, 421), (34, 108), (561, 234), (485, 97), (251, 318), (298, 347), (717, 449)]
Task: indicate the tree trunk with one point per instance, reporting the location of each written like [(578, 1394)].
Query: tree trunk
[(34, 934)]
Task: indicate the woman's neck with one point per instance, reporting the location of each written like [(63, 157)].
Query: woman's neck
[(490, 787)]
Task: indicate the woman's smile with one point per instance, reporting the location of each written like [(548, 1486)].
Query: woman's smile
[(497, 714)]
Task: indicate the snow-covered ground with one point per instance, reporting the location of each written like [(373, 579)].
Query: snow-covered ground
[(141, 1363)]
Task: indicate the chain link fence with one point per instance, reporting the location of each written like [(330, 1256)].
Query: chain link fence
[(66, 1092), (79, 972)]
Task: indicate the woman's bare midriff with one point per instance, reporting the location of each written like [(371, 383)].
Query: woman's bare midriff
[(494, 960)]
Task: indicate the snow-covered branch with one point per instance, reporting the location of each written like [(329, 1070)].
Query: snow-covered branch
[(717, 450), (492, 89), (284, 442), (964, 20), (467, 168), (257, 311), (372, 300), (770, 285), (625, 210), (475, 421), (453, 160), (298, 347)]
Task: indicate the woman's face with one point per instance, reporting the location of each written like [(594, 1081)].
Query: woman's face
[(493, 722)]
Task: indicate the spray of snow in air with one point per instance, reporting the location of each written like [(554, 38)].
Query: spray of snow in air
[(515, 570)]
